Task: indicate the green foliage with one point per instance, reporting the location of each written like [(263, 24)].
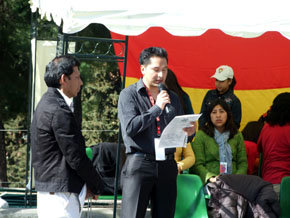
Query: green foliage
[(100, 93), (14, 56), (102, 85), (14, 70), (15, 141)]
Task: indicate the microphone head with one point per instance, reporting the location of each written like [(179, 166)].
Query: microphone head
[(161, 87)]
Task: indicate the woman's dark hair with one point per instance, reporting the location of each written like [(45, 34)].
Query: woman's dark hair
[(209, 127), (172, 84), (252, 130), (279, 113), (59, 65), (150, 52)]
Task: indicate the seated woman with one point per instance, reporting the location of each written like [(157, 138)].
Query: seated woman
[(274, 142), (219, 147)]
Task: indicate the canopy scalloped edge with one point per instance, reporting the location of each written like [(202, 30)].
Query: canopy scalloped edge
[(244, 19)]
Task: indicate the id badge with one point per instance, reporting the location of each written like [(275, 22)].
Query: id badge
[(223, 167), (159, 152)]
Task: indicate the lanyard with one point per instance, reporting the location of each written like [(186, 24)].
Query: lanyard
[(157, 118)]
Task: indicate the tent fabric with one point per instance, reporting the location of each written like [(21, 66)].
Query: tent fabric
[(258, 63), (261, 65), (254, 43), (181, 18)]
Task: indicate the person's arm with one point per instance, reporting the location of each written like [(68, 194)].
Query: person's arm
[(188, 158), (132, 119), (200, 157), (72, 146), (242, 162)]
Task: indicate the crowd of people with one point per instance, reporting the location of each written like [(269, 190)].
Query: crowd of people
[(218, 152)]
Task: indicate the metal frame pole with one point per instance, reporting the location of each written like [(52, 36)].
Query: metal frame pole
[(119, 136), (31, 102)]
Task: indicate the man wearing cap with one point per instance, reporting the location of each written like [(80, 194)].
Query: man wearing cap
[(225, 82)]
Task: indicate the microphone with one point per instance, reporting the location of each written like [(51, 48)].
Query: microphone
[(168, 107)]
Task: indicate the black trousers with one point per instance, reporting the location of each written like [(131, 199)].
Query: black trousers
[(146, 180)]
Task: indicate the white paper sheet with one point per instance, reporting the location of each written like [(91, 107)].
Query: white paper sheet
[(159, 152), (173, 136)]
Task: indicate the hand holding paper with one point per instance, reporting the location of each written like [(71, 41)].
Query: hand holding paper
[(176, 132), (191, 129)]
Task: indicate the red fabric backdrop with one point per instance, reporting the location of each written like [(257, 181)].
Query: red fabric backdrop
[(258, 63)]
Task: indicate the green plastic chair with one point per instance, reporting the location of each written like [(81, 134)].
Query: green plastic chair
[(285, 197), (89, 153), (190, 201)]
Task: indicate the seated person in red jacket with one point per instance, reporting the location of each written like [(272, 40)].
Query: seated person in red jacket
[(274, 142)]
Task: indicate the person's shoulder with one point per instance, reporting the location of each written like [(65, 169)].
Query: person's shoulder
[(201, 133), (50, 106), (50, 99), (211, 94), (232, 95), (130, 92), (236, 98), (239, 135), (131, 88)]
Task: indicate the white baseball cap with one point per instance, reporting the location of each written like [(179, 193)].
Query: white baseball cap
[(223, 72)]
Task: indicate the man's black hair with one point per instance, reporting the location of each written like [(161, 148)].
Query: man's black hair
[(150, 52), (63, 64)]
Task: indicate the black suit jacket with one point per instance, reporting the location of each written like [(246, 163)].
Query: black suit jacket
[(58, 149)]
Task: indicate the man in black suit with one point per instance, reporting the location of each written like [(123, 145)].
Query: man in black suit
[(63, 173)]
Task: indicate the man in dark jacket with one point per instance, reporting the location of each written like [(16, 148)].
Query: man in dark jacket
[(63, 173)]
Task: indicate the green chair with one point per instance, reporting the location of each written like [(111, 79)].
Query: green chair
[(285, 197), (89, 153), (190, 201)]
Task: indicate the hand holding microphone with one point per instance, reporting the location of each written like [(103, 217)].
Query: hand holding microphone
[(163, 100)]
